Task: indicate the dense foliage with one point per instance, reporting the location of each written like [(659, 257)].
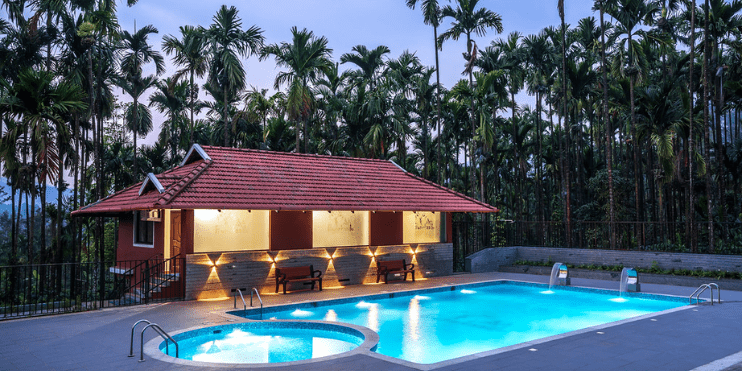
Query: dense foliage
[(636, 114)]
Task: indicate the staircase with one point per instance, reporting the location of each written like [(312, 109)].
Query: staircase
[(153, 280)]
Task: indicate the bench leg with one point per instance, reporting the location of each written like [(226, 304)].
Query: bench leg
[(386, 278), (377, 277), (320, 284), (413, 276), (276, 286), (284, 287)]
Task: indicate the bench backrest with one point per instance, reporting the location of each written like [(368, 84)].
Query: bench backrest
[(391, 265), (296, 272)]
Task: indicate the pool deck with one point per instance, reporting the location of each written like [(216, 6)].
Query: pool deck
[(703, 337)]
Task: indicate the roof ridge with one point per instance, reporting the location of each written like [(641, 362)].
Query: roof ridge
[(179, 186), (452, 191), (309, 155)]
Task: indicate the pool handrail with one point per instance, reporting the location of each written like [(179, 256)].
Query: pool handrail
[(244, 306), (163, 335), (700, 291), (131, 342), (718, 291), (255, 290)]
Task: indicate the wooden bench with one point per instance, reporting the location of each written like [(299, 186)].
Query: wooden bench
[(298, 274), (394, 267)]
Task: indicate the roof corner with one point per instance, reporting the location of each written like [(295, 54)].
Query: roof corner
[(149, 182), (194, 154)]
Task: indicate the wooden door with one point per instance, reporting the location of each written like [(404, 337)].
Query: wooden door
[(175, 226)]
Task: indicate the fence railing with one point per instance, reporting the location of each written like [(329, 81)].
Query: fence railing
[(470, 236), (29, 290)]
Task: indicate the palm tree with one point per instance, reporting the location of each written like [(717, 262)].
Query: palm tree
[(467, 20), (136, 53), (514, 58), (38, 100), (631, 62), (172, 99), (137, 116), (602, 4), (191, 56), (226, 41), (432, 16), (257, 102), (306, 57), (369, 61), (539, 55)]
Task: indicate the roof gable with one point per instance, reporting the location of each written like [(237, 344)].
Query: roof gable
[(149, 183)]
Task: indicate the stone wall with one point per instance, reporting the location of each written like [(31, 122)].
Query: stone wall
[(489, 260), (348, 266)]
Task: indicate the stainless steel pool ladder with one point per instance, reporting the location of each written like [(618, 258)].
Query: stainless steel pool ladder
[(244, 306), (255, 290), (702, 288), (159, 330)]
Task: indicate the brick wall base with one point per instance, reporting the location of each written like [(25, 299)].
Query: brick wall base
[(348, 266)]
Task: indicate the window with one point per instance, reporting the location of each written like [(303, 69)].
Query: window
[(144, 231)]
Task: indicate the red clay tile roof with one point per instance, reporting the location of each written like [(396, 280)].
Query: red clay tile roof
[(263, 180)]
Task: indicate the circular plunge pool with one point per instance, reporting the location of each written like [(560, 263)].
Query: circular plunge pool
[(265, 342)]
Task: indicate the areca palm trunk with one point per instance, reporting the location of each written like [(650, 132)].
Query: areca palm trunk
[(608, 134), (707, 142), (472, 182), (193, 124), (689, 230), (135, 129), (635, 144), (568, 201), (438, 99), (226, 121)]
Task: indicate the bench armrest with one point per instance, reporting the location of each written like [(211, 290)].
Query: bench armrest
[(318, 275), (409, 266)]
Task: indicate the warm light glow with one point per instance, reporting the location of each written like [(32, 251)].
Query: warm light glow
[(421, 227), (373, 317), (374, 283), (332, 287), (230, 230), (331, 316), (221, 298), (414, 328), (340, 228)]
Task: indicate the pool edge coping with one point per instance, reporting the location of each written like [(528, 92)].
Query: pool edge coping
[(370, 342)]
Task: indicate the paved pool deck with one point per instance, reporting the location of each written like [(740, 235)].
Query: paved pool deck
[(702, 337)]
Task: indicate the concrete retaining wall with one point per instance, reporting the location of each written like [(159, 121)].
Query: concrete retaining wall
[(348, 266), (490, 260), (662, 279)]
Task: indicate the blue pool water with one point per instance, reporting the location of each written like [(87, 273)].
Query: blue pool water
[(431, 327), (263, 342)]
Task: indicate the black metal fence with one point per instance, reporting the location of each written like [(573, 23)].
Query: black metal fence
[(470, 236), (29, 290)]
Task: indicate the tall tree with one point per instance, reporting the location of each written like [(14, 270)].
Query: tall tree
[(631, 63), (136, 52), (306, 57), (432, 16), (468, 20), (226, 42), (189, 54)]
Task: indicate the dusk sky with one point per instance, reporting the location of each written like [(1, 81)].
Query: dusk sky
[(345, 24)]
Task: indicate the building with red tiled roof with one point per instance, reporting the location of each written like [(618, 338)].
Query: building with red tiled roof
[(228, 200)]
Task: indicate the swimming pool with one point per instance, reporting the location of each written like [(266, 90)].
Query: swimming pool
[(436, 325), (264, 342)]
